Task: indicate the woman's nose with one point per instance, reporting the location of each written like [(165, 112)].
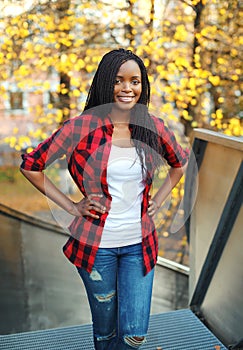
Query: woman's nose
[(126, 86)]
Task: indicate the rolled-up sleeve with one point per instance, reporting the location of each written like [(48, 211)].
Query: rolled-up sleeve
[(173, 152), (54, 147)]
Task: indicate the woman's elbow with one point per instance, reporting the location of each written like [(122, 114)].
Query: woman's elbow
[(23, 171), (30, 174)]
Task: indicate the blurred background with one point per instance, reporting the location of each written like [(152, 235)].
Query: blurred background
[(49, 51)]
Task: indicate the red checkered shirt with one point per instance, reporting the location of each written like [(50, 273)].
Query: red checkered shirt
[(86, 141)]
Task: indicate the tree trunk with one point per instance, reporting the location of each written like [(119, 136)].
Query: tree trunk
[(197, 23), (64, 98)]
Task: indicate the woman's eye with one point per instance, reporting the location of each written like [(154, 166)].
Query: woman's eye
[(135, 82), (117, 81)]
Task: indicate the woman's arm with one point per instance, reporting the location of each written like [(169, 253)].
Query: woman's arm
[(39, 180), (171, 180)]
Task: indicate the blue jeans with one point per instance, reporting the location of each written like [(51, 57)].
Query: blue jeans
[(119, 296)]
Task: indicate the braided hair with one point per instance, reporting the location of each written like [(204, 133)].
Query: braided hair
[(143, 131)]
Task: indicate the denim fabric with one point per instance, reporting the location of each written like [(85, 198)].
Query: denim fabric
[(119, 296)]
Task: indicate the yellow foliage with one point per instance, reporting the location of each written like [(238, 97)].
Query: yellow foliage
[(160, 68), (179, 72), (29, 149), (214, 79), (192, 83), (219, 114), (9, 56), (222, 11), (186, 115), (167, 108), (17, 148), (79, 65), (234, 77), (181, 33), (172, 117), (146, 62), (234, 52), (90, 68), (221, 60), (221, 100), (76, 93), (234, 127), (64, 91), (151, 79), (46, 85), (182, 61), (59, 114)]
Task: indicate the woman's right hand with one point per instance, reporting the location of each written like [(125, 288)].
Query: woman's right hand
[(89, 206)]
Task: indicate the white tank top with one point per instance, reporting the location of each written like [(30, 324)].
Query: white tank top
[(126, 185)]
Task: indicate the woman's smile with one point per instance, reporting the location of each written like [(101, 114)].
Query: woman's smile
[(126, 99)]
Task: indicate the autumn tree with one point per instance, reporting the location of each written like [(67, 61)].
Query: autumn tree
[(191, 48)]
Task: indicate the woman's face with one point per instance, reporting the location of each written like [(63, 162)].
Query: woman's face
[(128, 85)]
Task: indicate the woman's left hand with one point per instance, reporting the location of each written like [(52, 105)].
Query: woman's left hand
[(153, 207)]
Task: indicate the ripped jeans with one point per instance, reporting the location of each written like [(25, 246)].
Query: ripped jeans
[(119, 296)]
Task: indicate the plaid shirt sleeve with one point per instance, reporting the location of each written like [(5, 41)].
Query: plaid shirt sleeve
[(58, 144), (173, 153)]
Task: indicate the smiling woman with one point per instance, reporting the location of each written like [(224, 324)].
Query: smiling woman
[(113, 149)]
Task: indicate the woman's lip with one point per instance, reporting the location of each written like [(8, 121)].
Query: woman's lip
[(125, 98)]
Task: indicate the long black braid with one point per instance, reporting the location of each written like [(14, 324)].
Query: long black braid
[(143, 131)]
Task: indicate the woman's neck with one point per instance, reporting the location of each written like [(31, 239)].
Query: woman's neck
[(120, 117)]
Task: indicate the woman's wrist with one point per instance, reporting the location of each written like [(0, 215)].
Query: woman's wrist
[(72, 209), (155, 203)]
